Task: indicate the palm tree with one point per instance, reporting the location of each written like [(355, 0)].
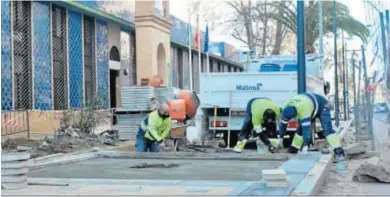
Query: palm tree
[(345, 21)]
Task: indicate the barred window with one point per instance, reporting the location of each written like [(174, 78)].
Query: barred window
[(21, 15), (180, 67), (60, 68), (89, 59), (133, 58)]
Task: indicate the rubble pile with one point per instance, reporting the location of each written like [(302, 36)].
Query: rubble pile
[(373, 172), (65, 141)]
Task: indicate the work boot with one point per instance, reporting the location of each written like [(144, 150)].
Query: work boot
[(339, 154), (293, 150), (239, 146)]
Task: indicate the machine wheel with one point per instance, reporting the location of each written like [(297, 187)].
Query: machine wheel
[(233, 138)]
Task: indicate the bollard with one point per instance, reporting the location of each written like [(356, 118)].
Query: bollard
[(14, 169)]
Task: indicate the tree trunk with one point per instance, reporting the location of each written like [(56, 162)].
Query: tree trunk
[(279, 32), (265, 28), (248, 27)]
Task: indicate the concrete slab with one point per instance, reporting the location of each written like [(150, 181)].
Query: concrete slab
[(188, 179), (106, 168), (133, 187)]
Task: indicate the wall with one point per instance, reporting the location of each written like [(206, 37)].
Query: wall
[(41, 54), (6, 64)]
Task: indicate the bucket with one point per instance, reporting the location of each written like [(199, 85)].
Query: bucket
[(269, 68), (290, 67)]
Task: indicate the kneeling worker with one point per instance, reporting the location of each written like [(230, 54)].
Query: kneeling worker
[(153, 130), (260, 112), (305, 108)]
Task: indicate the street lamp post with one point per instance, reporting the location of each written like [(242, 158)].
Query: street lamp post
[(368, 99), (344, 77), (335, 65), (301, 47)]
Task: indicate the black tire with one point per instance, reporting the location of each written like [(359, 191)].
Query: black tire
[(321, 135), (233, 138)]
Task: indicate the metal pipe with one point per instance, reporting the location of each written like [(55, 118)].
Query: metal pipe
[(384, 46), (354, 93), (344, 77), (321, 34), (357, 106), (368, 100), (301, 47), (387, 20), (347, 81), (337, 111)]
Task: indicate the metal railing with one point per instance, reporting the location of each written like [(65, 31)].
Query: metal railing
[(14, 122)]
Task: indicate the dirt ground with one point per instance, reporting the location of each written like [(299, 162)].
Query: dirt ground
[(50, 146), (341, 183)]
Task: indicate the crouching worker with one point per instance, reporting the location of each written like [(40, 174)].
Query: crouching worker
[(153, 130), (305, 108), (261, 116)]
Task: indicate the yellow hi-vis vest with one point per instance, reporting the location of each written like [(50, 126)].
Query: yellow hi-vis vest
[(155, 127)]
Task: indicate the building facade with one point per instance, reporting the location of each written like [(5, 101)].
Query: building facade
[(59, 55)]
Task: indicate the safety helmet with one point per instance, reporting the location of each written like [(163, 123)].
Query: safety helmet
[(269, 116), (289, 112)]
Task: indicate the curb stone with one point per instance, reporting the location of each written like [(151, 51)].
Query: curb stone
[(314, 179)]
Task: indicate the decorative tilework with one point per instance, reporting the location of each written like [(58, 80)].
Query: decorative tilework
[(102, 61), (6, 64), (41, 55), (122, 9), (75, 59)]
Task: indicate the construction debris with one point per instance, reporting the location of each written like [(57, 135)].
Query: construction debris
[(146, 165), (110, 137), (356, 149), (369, 172)]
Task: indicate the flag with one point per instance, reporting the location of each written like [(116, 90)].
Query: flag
[(196, 41), (206, 40), (374, 85)]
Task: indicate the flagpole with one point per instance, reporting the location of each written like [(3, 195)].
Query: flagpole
[(207, 53), (189, 48), (199, 52)]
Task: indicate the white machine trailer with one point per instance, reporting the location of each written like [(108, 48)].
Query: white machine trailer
[(224, 96)]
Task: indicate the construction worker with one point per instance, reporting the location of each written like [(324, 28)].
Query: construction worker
[(153, 130), (305, 108), (261, 116)]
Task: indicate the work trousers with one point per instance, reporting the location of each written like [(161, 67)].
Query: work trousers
[(247, 127), (143, 144)]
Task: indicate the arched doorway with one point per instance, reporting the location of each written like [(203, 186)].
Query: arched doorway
[(115, 66), (161, 62)]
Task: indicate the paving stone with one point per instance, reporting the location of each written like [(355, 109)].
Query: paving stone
[(274, 174)]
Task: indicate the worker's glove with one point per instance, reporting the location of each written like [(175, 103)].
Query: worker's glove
[(271, 149), (258, 129)]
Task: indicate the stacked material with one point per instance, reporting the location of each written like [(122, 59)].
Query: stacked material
[(275, 178), (163, 94), (137, 98), (128, 125), (14, 169)]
